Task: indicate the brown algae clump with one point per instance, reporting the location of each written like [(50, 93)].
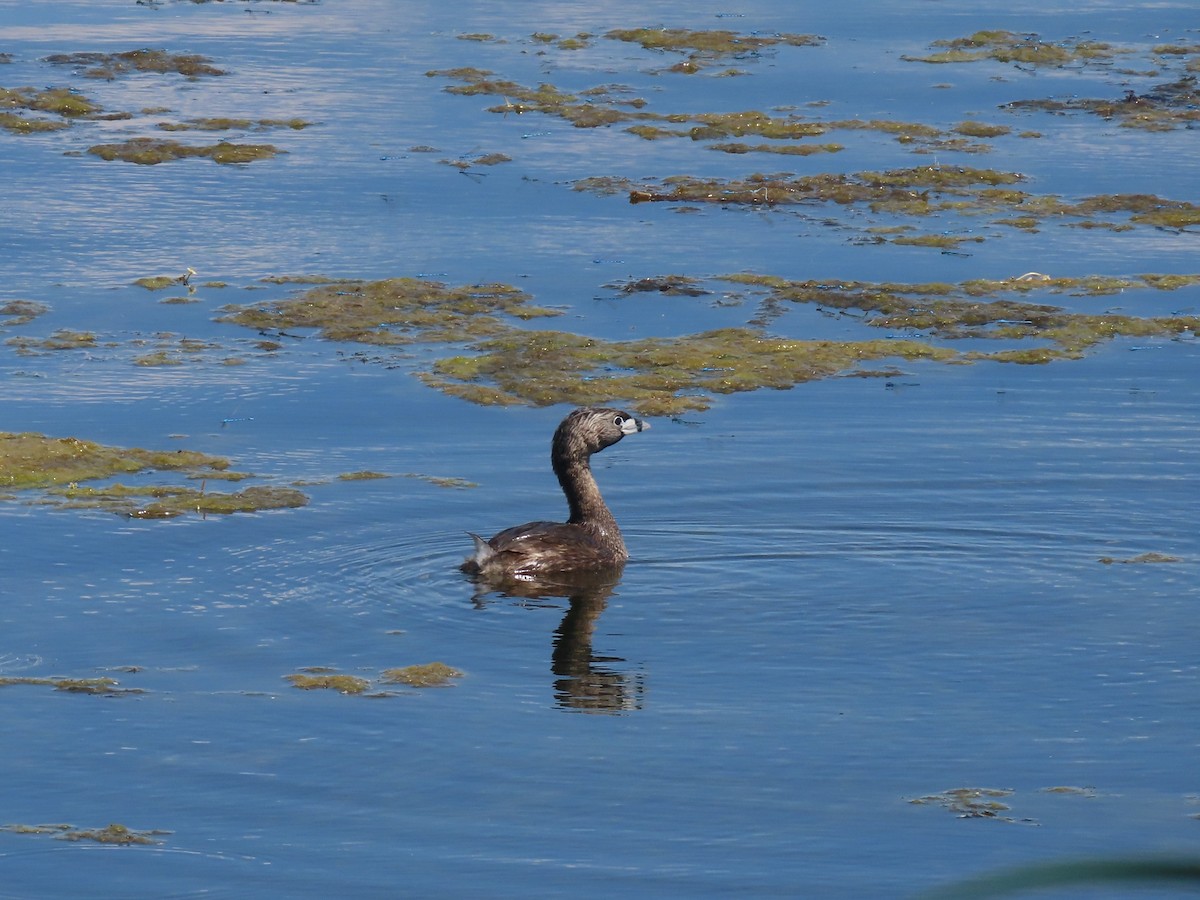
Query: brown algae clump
[(104, 686), (64, 103), (168, 502), (114, 833), (21, 312), (708, 44), (987, 309), (110, 65), (1019, 49), (152, 151), (319, 679), (394, 311), (33, 460), (662, 376), (433, 674), (1162, 108), (971, 803), (1141, 559)]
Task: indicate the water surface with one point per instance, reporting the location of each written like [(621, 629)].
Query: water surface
[(843, 597)]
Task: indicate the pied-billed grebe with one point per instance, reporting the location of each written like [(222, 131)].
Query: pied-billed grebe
[(589, 539)]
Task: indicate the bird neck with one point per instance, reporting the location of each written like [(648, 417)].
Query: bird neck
[(583, 494)]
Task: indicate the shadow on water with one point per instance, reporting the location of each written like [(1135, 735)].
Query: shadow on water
[(584, 681)]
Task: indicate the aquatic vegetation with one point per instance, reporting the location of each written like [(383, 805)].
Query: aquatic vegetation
[(912, 191), (159, 282), (113, 833), (21, 312), (318, 679), (981, 129), (1023, 49), (444, 481), (324, 678), (22, 125), (33, 460), (677, 285), (601, 105), (918, 191), (111, 65), (505, 364), (706, 46), (988, 309), (486, 159), (104, 686), (362, 476), (63, 339), (168, 502), (972, 803), (1141, 558), (658, 376), (393, 311), (1162, 108), (152, 151), (62, 102), (217, 123), (433, 674)]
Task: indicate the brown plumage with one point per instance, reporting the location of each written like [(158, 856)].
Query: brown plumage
[(590, 538)]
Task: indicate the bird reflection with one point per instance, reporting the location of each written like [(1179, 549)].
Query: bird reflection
[(584, 682)]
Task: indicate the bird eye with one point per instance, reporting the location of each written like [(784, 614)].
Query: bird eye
[(619, 421)]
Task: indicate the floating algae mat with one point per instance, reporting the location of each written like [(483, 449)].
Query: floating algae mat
[(394, 311), (506, 363), (34, 461)]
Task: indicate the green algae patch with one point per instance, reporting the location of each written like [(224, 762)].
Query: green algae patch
[(921, 190), (63, 339), (161, 502), (1164, 107), (971, 128), (362, 476), (157, 359), (113, 833), (63, 103), (675, 285), (737, 147), (33, 460), (218, 123), (985, 309), (660, 376), (111, 65), (18, 124), (1141, 559), (104, 686), (972, 803), (153, 151), (1018, 49), (328, 681), (313, 678), (433, 674), (706, 46), (443, 481), (21, 312), (395, 311)]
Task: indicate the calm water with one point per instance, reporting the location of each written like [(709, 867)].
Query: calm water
[(842, 597)]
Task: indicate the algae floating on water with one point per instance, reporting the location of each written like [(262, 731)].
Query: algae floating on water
[(313, 681), (30, 460), (152, 151), (394, 311), (114, 833), (435, 674), (111, 65)]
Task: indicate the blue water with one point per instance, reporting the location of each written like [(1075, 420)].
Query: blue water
[(842, 597)]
